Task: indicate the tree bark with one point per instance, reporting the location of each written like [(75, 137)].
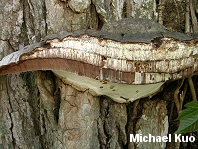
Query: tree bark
[(40, 111)]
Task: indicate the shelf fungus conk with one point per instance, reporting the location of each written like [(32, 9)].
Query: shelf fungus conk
[(127, 60)]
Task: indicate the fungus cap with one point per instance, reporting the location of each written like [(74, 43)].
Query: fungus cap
[(125, 61)]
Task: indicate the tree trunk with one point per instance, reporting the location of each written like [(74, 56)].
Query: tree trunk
[(39, 111)]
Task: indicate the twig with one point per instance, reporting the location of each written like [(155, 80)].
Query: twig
[(193, 16), (187, 17), (160, 11), (176, 99), (178, 102), (178, 105), (176, 6), (192, 89), (128, 8), (183, 94)]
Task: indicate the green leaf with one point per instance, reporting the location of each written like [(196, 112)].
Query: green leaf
[(192, 104), (188, 118), (185, 114)]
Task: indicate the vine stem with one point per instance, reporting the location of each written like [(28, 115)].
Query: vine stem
[(187, 17), (176, 99), (192, 89), (193, 17)]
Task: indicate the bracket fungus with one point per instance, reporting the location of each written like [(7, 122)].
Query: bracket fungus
[(127, 60)]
